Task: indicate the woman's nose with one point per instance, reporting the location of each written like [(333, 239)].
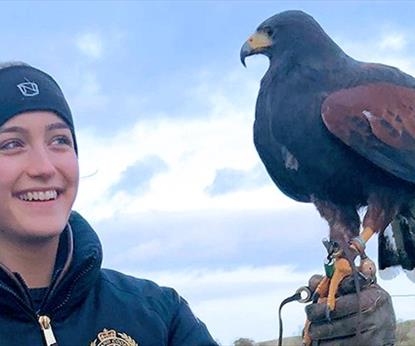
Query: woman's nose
[(40, 164)]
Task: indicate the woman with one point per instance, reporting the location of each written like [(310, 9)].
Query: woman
[(53, 290)]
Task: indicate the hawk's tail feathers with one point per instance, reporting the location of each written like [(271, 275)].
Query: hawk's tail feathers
[(397, 247)]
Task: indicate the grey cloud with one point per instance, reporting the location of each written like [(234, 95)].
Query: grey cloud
[(138, 176), (187, 242), (173, 241), (183, 242), (229, 180)]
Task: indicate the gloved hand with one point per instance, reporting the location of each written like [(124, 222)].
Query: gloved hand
[(377, 318)]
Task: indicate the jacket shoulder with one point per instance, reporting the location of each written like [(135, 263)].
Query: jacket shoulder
[(184, 328), (145, 291)]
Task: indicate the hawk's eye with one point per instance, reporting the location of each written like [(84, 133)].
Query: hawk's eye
[(267, 30)]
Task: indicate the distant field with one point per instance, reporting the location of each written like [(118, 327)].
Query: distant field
[(405, 336)]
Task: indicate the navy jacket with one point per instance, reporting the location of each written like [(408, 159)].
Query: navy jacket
[(90, 306)]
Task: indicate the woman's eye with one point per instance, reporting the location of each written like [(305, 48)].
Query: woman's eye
[(62, 140), (11, 144)]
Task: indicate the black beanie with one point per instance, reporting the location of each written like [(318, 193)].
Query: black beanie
[(24, 88)]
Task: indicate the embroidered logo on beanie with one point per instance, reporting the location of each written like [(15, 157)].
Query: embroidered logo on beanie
[(28, 88)]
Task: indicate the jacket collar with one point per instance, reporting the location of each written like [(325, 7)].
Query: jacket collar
[(77, 268), (80, 271)]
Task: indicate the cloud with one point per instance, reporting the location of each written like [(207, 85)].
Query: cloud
[(194, 149), (230, 180), (186, 240), (142, 252), (390, 47), (137, 177), (90, 44), (393, 41)]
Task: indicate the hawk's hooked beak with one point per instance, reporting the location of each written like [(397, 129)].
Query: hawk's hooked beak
[(255, 44)]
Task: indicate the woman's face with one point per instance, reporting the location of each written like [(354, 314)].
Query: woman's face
[(39, 176)]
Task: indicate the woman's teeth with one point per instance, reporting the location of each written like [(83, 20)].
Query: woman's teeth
[(39, 196)]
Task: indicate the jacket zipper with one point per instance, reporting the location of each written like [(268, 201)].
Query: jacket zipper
[(44, 321), (46, 327)]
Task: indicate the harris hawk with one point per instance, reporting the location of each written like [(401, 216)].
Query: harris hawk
[(338, 133)]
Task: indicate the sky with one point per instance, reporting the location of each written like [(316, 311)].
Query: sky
[(171, 180)]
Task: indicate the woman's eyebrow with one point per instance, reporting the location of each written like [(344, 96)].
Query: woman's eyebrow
[(13, 129), (57, 126), (19, 129)]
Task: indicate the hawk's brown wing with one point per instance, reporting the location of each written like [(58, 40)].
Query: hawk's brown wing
[(377, 121)]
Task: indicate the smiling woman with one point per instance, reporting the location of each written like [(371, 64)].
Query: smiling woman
[(52, 288)]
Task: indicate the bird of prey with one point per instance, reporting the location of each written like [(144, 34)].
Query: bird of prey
[(338, 133)]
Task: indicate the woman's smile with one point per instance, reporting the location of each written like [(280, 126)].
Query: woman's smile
[(43, 194)]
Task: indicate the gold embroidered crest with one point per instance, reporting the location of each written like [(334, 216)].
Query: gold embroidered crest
[(110, 338)]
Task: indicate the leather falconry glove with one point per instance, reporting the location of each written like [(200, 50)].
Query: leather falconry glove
[(376, 321)]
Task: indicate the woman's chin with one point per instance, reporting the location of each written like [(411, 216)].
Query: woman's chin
[(39, 232)]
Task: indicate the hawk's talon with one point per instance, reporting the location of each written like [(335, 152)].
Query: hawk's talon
[(315, 297), (328, 313), (336, 271)]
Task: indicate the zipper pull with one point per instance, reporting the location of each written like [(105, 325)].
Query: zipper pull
[(44, 322)]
